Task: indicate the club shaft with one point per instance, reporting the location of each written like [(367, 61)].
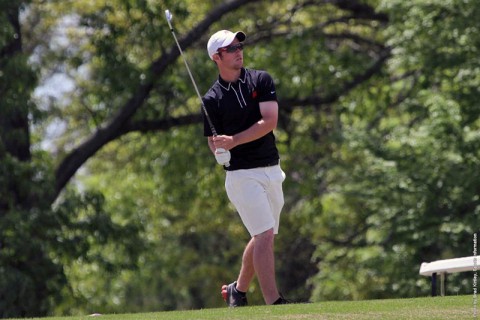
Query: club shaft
[(204, 109), (214, 132)]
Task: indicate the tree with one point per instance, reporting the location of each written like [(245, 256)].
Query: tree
[(172, 102), (142, 101), (35, 237), (21, 204), (406, 188), (355, 126), (126, 90)]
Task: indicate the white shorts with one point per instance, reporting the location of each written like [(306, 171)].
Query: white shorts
[(258, 197)]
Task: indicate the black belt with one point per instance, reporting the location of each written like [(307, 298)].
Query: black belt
[(273, 163), (269, 164)]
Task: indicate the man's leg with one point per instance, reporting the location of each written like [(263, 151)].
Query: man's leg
[(234, 294), (264, 264), (247, 271), (258, 208)]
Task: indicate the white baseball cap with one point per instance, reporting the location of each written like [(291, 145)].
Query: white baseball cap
[(222, 39)]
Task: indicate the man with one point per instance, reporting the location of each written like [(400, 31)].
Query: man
[(243, 108)]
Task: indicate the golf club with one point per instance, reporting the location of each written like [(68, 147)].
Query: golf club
[(169, 16)]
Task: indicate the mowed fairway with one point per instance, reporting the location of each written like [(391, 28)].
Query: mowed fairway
[(452, 307)]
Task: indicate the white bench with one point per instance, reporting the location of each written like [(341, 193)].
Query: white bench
[(443, 267)]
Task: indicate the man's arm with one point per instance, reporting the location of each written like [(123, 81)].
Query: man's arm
[(268, 122)]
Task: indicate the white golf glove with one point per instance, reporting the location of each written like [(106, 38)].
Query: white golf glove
[(223, 157)]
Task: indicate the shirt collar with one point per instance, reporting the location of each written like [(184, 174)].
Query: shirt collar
[(226, 85)]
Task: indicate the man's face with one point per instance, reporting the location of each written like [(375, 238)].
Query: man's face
[(230, 60)]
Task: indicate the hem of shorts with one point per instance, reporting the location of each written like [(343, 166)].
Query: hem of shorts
[(258, 231)]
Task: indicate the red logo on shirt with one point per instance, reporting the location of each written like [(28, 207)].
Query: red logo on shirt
[(254, 94)]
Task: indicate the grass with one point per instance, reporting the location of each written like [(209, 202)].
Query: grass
[(450, 307)]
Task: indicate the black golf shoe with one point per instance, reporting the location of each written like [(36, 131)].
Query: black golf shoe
[(281, 300), (232, 297)]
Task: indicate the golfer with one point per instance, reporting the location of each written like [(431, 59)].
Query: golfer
[(242, 105)]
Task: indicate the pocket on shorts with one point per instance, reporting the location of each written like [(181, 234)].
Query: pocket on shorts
[(233, 181), (228, 181), (278, 175)]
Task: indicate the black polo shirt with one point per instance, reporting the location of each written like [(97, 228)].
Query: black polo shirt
[(235, 107)]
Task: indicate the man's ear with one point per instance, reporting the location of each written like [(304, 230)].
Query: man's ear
[(217, 57)]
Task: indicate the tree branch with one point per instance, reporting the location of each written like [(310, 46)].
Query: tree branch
[(120, 124), (109, 131), (360, 10), (286, 105), (316, 101)]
